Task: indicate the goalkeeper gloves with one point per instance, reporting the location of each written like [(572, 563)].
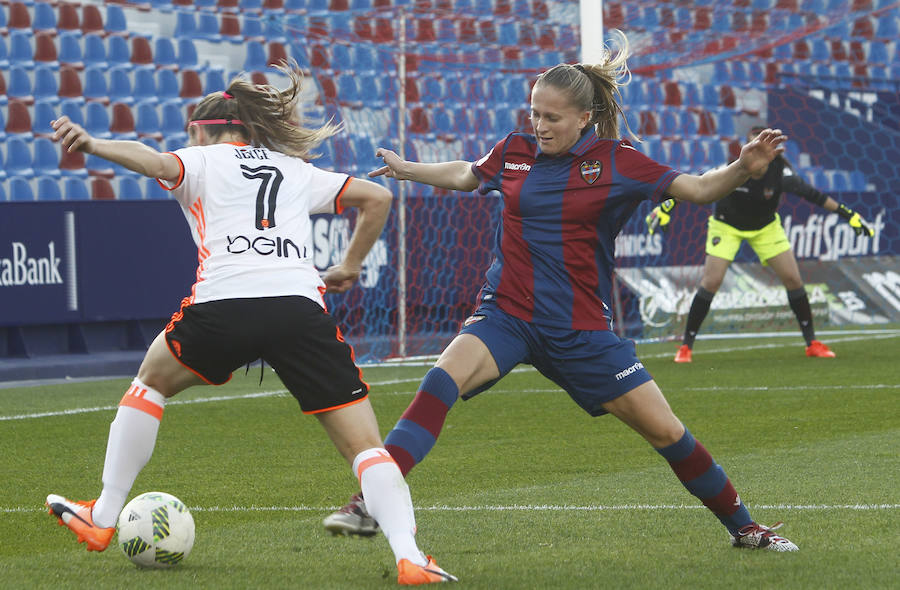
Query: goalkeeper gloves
[(660, 217), (858, 224)]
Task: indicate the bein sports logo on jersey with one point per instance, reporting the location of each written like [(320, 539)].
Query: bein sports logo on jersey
[(591, 170)]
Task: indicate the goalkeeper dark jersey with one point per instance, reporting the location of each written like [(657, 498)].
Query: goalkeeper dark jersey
[(753, 205)]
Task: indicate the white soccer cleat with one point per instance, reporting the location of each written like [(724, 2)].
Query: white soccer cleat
[(757, 536), (352, 519)]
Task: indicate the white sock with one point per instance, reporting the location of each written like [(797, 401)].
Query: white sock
[(388, 501), (132, 436)]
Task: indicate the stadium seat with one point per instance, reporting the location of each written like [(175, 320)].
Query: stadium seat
[(152, 190), (187, 55), (173, 123), (20, 51), (4, 53), (44, 114), (725, 124), (117, 51), (19, 17), (185, 25), (230, 28), (164, 53), (45, 88), (276, 54), (75, 189), (70, 50), (91, 19), (122, 125), (116, 23), (214, 80), (141, 52), (72, 108), (144, 87), (256, 59), (95, 88), (887, 28), (70, 85), (45, 50), (20, 189), (102, 190), (669, 124), (146, 121), (119, 88), (96, 120), (94, 51), (48, 189), (130, 189), (19, 160), (252, 29), (68, 19), (18, 121), (208, 27), (72, 164)]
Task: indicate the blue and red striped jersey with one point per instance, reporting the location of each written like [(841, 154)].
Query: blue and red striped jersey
[(555, 246)]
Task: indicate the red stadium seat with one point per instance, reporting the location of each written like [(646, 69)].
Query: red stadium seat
[(102, 190), (726, 97), (488, 31), (703, 19), (468, 31), (362, 28), (277, 54), (72, 163), (69, 83), (191, 86), (384, 30), (122, 124), (863, 27), (424, 28), (412, 90), (18, 120), (141, 52), (228, 5), (230, 27), (673, 94), (67, 19), (45, 49), (92, 20), (319, 56), (418, 120), (19, 16)]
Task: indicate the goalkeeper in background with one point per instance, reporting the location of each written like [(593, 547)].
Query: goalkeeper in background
[(749, 213)]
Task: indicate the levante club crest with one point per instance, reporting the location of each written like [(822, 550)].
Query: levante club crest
[(590, 170)]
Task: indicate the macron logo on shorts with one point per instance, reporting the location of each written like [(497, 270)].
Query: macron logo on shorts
[(622, 374)]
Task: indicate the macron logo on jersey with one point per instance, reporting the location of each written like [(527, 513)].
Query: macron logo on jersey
[(622, 374), (516, 167)]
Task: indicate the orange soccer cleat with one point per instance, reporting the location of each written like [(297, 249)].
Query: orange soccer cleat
[(411, 574), (817, 349), (77, 516), (683, 355)]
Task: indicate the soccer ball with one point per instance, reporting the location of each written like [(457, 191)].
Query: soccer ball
[(156, 530)]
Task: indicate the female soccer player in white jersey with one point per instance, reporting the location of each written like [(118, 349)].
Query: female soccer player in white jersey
[(247, 194), (567, 190)]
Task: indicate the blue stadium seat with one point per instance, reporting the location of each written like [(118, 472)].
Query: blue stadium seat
[(185, 25), (887, 28), (878, 53), (678, 155), (164, 53), (150, 142), (364, 58), (18, 157), (20, 189), (19, 85), (73, 110), (250, 6), (115, 22), (44, 113), (75, 189), (152, 190), (214, 80), (96, 120), (48, 189), (715, 153), (130, 189), (257, 58), (46, 88), (340, 57), (689, 123), (144, 88), (166, 84), (117, 50), (669, 124), (119, 88), (857, 181), (208, 27), (725, 123), (70, 53), (697, 160), (95, 88), (97, 166), (187, 55), (146, 122), (44, 17), (20, 52), (348, 91), (274, 28), (95, 51), (4, 53), (820, 51), (252, 28)]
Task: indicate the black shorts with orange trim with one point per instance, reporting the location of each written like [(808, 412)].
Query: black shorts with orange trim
[(293, 334)]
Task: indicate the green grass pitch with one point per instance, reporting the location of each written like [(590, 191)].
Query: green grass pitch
[(523, 490)]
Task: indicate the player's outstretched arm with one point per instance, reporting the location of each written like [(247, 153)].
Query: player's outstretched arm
[(715, 184), (456, 175), (660, 216), (133, 155), (374, 204)]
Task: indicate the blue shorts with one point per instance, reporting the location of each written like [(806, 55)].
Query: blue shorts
[(592, 366)]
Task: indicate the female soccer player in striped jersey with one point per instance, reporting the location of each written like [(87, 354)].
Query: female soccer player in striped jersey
[(567, 189), (248, 194)]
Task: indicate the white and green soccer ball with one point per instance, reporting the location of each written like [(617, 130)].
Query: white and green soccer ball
[(156, 530)]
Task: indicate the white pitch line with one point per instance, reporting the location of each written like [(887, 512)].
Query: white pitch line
[(704, 351), (521, 508)]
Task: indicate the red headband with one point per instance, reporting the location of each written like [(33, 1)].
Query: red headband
[(215, 122)]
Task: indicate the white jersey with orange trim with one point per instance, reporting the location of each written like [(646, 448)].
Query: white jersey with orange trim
[(248, 209)]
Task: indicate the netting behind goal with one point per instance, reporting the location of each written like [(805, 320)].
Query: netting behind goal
[(704, 72)]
